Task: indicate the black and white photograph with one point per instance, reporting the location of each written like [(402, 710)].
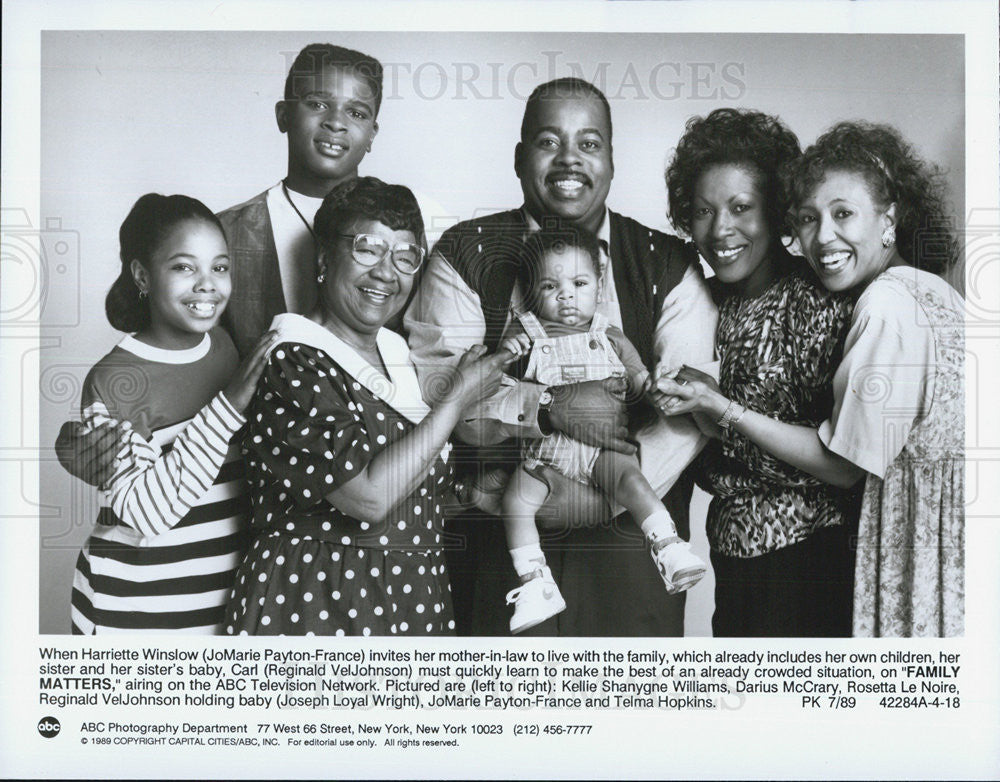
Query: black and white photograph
[(552, 384)]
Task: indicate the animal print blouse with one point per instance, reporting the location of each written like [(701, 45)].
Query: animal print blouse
[(778, 354)]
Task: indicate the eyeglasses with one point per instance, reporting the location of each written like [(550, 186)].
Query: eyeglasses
[(369, 250)]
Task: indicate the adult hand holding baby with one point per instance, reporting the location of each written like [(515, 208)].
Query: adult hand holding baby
[(593, 412)]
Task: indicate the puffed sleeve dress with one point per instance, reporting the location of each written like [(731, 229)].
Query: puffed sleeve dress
[(899, 413)]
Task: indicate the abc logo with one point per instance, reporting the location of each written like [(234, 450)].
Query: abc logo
[(49, 727)]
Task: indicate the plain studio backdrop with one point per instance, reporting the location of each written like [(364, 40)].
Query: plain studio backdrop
[(125, 113)]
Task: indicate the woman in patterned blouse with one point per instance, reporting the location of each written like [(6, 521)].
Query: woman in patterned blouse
[(871, 218), (778, 536)]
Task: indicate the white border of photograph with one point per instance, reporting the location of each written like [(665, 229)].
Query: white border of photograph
[(755, 738)]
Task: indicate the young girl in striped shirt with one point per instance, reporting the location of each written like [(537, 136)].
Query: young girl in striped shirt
[(172, 523)]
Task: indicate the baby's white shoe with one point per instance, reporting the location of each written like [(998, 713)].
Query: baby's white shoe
[(679, 567), (537, 599)]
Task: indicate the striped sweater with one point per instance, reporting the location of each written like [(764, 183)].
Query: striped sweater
[(171, 528)]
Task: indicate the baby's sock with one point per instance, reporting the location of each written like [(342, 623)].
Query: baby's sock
[(527, 559), (658, 526)]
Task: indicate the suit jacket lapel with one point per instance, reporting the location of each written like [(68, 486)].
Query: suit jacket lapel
[(257, 294), (273, 294)]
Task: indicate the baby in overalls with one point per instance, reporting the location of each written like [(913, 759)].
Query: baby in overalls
[(567, 341)]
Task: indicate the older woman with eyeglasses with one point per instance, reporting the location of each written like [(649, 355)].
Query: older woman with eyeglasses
[(348, 464)]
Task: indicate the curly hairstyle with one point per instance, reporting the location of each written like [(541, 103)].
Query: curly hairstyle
[(893, 173), (149, 221), (554, 236), (367, 198), (742, 137)]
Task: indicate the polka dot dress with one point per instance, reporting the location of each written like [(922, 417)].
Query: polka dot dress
[(314, 570)]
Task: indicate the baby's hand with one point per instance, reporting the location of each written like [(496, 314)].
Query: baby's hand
[(639, 385), (688, 390), (662, 370), (519, 345)]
